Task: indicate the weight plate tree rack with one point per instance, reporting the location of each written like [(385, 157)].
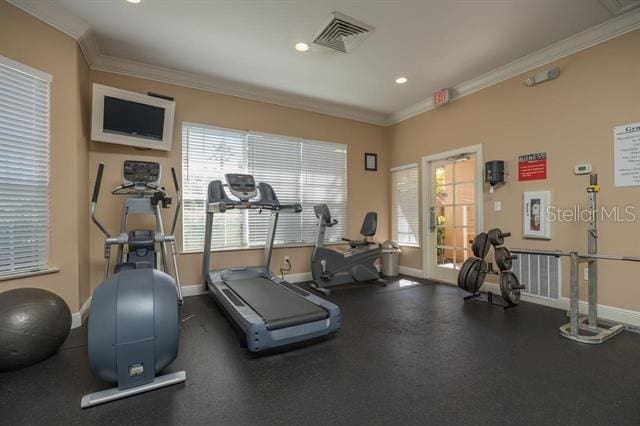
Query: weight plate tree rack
[(474, 270), (586, 329)]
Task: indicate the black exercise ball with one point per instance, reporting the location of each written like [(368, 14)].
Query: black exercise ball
[(33, 325)]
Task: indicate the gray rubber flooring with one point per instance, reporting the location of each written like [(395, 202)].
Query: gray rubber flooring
[(407, 354)]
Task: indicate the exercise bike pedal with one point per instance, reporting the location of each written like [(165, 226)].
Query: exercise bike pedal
[(325, 291)]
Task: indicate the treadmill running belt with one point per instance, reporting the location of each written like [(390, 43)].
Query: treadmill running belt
[(278, 306)]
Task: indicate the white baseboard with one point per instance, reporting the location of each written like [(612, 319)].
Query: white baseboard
[(298, 278), (193, 290), (412, 272), (608, 313)]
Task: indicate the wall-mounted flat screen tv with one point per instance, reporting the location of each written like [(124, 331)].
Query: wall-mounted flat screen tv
[(130, 118)]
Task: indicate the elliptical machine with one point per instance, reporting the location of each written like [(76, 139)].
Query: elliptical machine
[(134, 324), (331, 268)]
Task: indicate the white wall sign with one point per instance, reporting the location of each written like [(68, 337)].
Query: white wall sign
[(626, 140)]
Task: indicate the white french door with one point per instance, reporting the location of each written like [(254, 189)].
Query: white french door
[(453, 210)]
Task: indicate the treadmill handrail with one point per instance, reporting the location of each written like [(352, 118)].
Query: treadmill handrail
[(221, 207)]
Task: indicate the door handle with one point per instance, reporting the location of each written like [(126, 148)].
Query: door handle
[(432, 219)]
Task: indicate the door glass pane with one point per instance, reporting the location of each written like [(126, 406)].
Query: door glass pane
[(444, 216), (445, 257), (444, 194), (465, 215), (455, 211), (445, 236), (465, 170), (465, 193), (462, 237), (461, 256), (444, 174)]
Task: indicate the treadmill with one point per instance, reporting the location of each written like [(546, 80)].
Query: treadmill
[(270, 312)]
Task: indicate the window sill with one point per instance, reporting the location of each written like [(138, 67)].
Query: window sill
[(409, 245), (20, 275), (281, 246)]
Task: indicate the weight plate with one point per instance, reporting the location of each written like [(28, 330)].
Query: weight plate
[(476, 275), (464, 270), (481, 245), (496, 236), (503, 258), (509, 280)]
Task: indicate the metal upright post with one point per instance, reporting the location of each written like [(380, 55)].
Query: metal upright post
[(163, 245), (271, 235), (592, 249), (574, 289), (206, 255)]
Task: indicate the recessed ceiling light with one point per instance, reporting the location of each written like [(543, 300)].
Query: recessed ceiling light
[(401, 80), (302, 47), (134, 1)]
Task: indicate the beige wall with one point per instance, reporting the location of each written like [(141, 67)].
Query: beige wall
[(572, 119), (367, 190), (30, 41)]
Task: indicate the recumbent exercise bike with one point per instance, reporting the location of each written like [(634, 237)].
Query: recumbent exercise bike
[(331, 268)]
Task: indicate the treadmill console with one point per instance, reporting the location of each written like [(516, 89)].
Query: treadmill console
[(242, 186), (140, 172)]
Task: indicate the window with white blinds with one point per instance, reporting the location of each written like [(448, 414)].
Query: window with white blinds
[(404, 199), (24, 168), (299, 170)]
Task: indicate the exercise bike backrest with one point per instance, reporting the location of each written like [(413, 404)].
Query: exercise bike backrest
[(369, 225)]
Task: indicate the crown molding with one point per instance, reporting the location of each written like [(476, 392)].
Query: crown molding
[(226, 87), (77, 28), (57, 17), (613, 28), (80, 30)]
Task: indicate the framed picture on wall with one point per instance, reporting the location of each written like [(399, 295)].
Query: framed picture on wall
[(370, 161), (535, 218)]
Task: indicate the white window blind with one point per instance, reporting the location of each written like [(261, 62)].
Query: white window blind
[(24, 168), (404, 200), (299, 170)]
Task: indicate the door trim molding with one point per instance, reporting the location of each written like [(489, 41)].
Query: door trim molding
[(426, 196)]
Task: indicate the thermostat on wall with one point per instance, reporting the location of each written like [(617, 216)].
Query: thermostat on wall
[(582, 169)]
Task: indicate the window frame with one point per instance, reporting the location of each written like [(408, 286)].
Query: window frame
[(45, 267), (398, 169), (248, 134)]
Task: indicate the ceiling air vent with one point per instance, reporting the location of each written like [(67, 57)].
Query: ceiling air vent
[(618, 7), (342, 33)]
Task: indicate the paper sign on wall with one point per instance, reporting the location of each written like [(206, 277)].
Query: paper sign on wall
[(532, 166), (626, 141)]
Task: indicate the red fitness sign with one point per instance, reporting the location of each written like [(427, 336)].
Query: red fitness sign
[(532, 166)]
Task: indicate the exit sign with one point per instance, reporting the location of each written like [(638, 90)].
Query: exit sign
[(441, 97)]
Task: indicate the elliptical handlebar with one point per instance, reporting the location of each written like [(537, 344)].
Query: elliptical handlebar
[(175, 179), (94, 200), (96, 188), (178, 202)]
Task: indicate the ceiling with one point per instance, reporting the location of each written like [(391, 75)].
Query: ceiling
[(246, 47)]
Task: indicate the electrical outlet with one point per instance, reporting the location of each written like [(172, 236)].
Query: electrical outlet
[(497, 206), (585, 274)]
